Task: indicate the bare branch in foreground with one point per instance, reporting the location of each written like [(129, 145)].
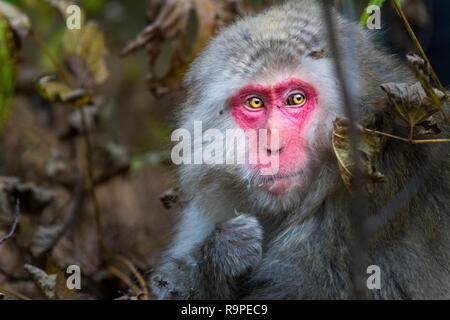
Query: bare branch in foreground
[(16, 220)]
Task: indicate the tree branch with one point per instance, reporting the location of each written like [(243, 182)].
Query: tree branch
[(16, 220)]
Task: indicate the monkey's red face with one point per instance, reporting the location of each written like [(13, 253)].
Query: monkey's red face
[(283, 111)]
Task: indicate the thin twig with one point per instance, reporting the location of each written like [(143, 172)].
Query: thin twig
[(388, 135), (12, 278), (14, 293), (122, 276), (359, 205), (419, 46), (135, 272), (62, 72), (91, 183), (16, 220), (413, 141), (430, 141), (91, 187)]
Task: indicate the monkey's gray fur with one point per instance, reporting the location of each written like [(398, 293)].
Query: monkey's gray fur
[(298, 245)]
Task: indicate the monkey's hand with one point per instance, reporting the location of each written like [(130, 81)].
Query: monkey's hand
[(219, 264)]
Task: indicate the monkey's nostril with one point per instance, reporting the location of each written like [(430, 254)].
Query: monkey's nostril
[(278, 151)]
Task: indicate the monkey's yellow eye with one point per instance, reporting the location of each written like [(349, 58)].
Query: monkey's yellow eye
[(255, 103), (296, 99)]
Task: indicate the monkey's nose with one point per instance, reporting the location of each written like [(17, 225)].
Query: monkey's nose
[(275, 151)]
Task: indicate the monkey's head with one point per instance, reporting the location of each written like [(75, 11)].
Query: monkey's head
[(270, 79)]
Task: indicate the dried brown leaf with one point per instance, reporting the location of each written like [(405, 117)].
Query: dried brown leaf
[(55, 91), (428, 127), (33, 199), (420, 65), (370, 145), (423, 71), (46, 283), (411, 102), (61, 289), (163, 62), (178, 31), (88, 44), (110, 160), (44, 238)]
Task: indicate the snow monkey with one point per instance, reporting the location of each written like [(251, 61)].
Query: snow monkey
[(286, 234)]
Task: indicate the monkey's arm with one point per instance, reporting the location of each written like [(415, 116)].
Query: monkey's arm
[(213, 261)]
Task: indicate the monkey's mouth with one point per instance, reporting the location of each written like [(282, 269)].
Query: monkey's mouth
[(268, 178), (279, 183)]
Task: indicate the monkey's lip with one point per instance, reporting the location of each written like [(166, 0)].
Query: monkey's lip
[(269, 178), (279, 184)]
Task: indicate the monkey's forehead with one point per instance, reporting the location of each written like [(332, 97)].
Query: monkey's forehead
[(295, 26), (279, 38)]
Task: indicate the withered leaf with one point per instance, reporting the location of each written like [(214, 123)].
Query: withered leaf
[(33, 199), (428, 127), (61, 289), (110, 160), (59, 168), (369, 146), (55, 91), (44, 238), (46, 283), (422, 71), (167, 22), (88, 44), (418, 65), (178, 30), (411, 102)]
